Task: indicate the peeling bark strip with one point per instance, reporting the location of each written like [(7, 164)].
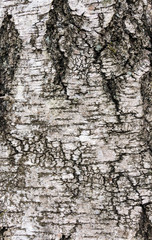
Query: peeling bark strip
[(62, 30), (10, 47)]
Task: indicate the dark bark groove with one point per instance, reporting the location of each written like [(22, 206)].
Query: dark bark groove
[(62, 30), (145, 224), (10, 48)]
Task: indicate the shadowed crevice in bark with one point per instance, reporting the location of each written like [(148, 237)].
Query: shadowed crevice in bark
[(113, 44), (145, 225), (2, 231), (110, 85), (112, 89), (64, 237), (61, 34), (10, 48)]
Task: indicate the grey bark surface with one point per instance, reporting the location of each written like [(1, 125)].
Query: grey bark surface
[(75, 120)]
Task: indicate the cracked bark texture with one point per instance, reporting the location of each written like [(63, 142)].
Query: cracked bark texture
[(75, 116)]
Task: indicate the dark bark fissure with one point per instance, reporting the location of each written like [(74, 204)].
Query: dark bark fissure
[(129, 2), (10, 47), (114, 43), (109, 84), (61, 33), (2, 231), (145, 225), (64, 237), (110, 47), (112, 89)]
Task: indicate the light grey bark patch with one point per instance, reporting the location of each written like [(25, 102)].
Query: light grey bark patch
[(65, 181), (146, 87), (61, 34), (10, 48)]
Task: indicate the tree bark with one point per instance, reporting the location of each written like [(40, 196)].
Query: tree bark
[(75, 120)]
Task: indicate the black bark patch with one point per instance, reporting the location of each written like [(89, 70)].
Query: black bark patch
[(60, 37), (10, 47), (2, 231), (112, 89), (129, 2), (64, 237)]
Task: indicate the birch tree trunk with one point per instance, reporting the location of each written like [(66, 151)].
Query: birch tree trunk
[(75, 113)]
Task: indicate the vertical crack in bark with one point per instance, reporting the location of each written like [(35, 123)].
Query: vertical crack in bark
[(62, 29), (145, 225), (110, 84), (114, 45), (110, 47), (10, 47), (112, 89)]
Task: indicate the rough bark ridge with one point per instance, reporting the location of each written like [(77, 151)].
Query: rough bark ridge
[(10, 47), (75, 158), (62, 29)]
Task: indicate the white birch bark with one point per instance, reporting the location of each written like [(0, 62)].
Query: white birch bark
[(75, 102)]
